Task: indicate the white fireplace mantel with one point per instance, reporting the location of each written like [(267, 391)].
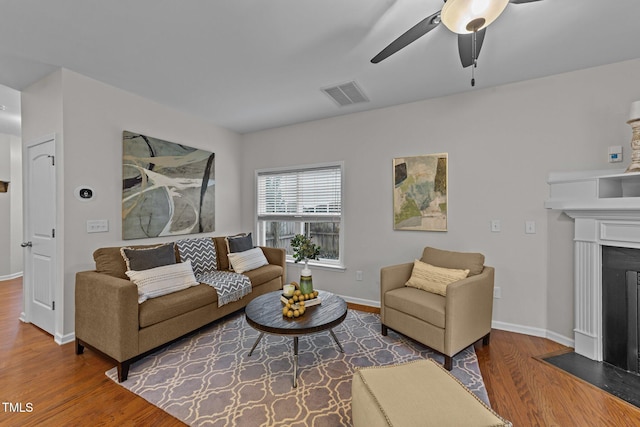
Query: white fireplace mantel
[(606, 209)]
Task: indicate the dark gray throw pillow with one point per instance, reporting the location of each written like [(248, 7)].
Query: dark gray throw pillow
[(147, 258), (240, 243)]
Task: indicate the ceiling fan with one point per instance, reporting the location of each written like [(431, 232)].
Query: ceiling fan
[(467, 18)]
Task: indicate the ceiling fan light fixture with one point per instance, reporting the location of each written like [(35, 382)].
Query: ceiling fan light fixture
[(467, 16)]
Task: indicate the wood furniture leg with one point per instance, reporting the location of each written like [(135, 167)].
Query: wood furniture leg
[(448, 363), (486, 339), (79, 347), (123, 370)]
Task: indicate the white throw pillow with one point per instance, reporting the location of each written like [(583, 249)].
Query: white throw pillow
[(163, 280), (434, 279), (247, 260)]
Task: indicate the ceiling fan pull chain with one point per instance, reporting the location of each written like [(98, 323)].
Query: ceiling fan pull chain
[(473, 54)]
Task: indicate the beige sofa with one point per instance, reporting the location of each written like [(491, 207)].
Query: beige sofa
[(109, 319), (447, 324)]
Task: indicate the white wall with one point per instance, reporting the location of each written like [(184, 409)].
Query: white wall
[(502, 143), (90, 153), (5, 207), (11, 207), (16, 206)]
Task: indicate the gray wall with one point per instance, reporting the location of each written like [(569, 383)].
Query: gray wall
[(502, 143)]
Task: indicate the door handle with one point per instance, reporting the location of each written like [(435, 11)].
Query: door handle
[(26, 244)]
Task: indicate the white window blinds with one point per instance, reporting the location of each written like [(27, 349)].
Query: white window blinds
[(310, 193)]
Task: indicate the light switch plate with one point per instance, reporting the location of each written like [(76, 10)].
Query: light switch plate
[(97, 226)]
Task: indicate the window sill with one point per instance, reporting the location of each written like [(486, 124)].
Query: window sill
[(313, 265)]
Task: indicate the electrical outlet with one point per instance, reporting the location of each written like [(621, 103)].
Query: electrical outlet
[(530, 227), (497, 292), (359, 276)]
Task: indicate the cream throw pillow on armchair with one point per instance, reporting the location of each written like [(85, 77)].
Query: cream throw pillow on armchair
[(434, 279)]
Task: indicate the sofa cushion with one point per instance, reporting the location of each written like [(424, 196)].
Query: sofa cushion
[(163, 280), (422, 305), (139, 259), (264, 274), (174, 304), (109, 261), (222, 252), (201, 252), (434, 279), (247, 260), (472, 261)]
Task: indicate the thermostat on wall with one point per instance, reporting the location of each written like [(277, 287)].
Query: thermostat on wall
[(84, 193)]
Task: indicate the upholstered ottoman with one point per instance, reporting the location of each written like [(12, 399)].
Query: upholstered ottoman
[(418, 393)]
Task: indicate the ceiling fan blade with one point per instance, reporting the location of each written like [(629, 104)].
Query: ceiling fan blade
[(522, 1), (465, 47), (413, 34)]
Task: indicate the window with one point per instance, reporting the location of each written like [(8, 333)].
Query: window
[(302, 200)]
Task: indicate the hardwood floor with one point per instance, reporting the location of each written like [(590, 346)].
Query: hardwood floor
[(54, 387)]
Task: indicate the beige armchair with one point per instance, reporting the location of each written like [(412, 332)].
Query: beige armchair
[(447, 324)]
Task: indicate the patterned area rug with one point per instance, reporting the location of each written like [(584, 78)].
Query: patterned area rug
[(207, 379)]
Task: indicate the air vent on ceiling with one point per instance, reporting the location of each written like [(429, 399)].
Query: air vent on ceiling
[(346, 94)]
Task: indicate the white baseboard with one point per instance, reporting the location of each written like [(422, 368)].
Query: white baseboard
[(503, 326), (360, 301), (536, 332), (64, 339), (11, 276)]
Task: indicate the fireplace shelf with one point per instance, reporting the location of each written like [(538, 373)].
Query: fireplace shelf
[(594, 189)]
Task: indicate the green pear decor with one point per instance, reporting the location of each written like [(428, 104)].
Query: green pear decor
[(304, 250)]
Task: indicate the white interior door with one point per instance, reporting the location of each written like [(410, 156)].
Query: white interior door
[(40, 258)]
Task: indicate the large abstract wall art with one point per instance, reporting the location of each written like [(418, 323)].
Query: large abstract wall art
[(420, 193), (167, 188)]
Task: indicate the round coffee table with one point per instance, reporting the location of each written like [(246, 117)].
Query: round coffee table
[(264, 313)]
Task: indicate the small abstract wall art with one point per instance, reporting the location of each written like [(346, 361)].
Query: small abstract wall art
[(167, 188), (420, 193)]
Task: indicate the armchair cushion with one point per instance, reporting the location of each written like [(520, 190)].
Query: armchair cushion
[(422, 305), (472, 261), (434, 279)]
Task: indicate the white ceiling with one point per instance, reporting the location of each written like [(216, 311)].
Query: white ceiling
[(249, 65)]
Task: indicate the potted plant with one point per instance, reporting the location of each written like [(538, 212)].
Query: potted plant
[(304, 250)]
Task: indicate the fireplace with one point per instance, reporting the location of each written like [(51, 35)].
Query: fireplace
[(620, 303), (606, 208)]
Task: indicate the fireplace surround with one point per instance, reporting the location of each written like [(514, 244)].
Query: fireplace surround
[(606, 208)]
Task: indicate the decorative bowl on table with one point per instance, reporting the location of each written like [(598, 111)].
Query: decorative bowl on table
[(296, 305)]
